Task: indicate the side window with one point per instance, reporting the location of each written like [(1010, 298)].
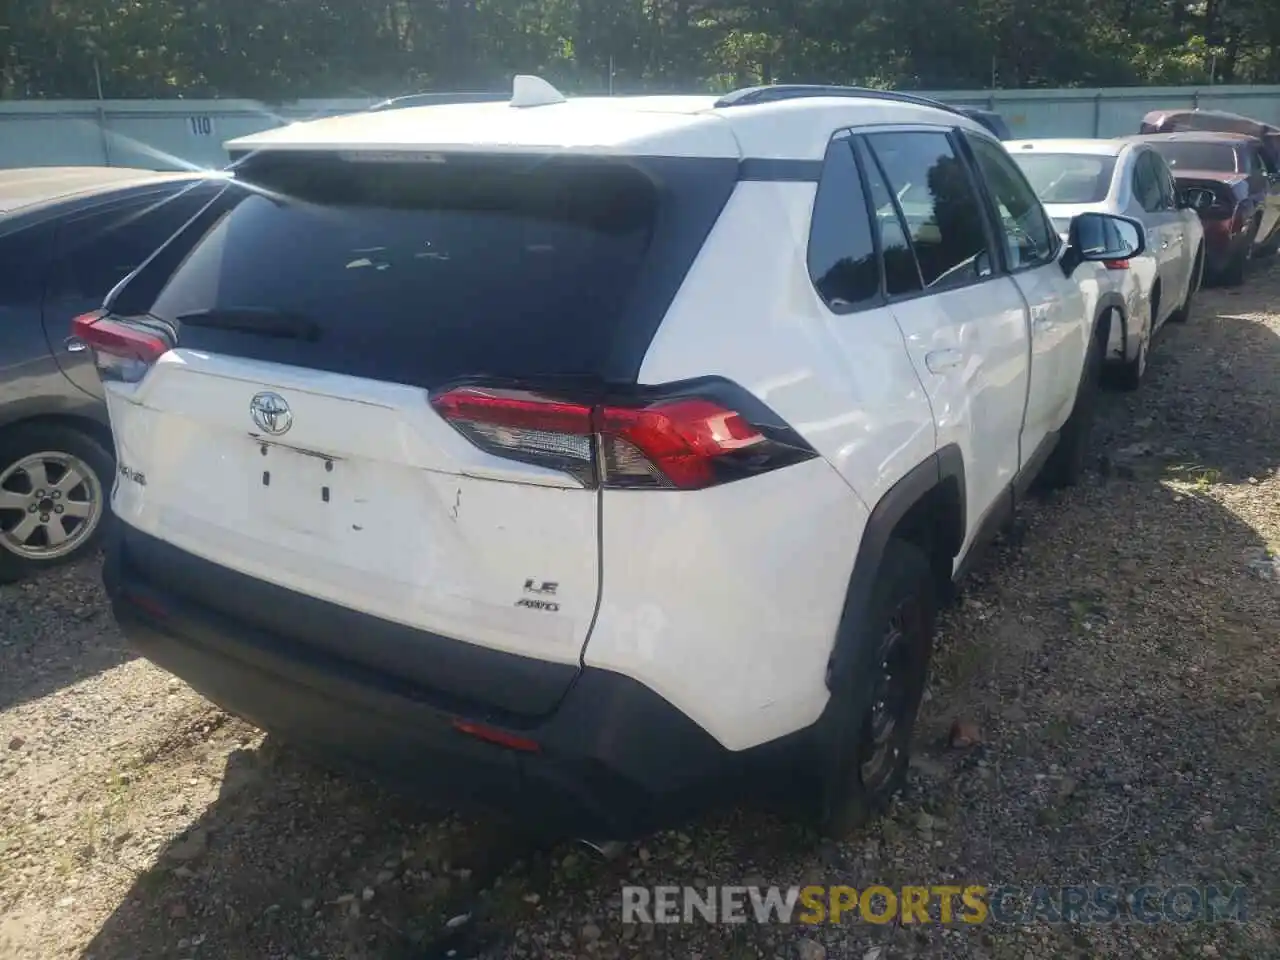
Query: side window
[(1168, 188), (842, 253), (1145, 185), (1256, 165), (937, 200), (25, 256), (98, 249), (901, 272), (1029, 237)]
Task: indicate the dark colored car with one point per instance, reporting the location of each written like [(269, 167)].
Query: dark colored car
[(1214, 121), (1228, 179), (67, 236), (989, 119)]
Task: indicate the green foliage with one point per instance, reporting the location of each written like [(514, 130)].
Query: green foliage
[(276, 50)]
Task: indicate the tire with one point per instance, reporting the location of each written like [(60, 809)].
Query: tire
[(882, 697), (1065, 466), (1128, 375), (1237, 268), (1183, 313), (78, 471), (1272, 245)]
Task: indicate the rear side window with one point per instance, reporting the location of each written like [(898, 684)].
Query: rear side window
[(424, 271), (99, 248), (1146, 188), (842, 254), (937, 198), (1168, 189), (24, 254)]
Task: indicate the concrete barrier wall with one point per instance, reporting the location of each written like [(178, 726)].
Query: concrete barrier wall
[(174, 134)]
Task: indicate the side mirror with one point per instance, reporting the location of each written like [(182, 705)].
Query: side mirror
[(1099, 237), (1197, 199)]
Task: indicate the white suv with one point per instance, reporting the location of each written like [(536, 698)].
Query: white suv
[(592, 457)]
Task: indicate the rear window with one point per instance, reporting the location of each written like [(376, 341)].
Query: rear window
[(425, 271), (1217, 157), (1067, 177)]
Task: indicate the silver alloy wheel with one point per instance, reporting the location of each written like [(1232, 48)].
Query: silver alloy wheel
[(50, 503)]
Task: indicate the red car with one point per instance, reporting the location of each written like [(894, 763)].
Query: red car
[(1232, 183)]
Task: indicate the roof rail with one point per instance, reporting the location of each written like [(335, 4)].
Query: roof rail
[(773, 93), (432, 99)]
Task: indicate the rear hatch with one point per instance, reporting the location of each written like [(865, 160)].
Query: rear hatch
[(286, 376)]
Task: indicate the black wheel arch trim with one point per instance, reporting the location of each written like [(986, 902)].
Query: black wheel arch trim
[(1107, 302), (946, 465)]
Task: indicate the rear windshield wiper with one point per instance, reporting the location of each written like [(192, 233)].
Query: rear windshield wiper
[(263, 321)]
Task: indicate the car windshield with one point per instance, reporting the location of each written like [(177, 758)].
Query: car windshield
[(1068, 177), (1189, 155)]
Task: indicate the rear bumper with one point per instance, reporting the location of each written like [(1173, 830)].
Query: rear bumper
[(614, 760)]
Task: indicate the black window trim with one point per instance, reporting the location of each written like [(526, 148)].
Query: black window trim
[(862, 132), (991, 213)]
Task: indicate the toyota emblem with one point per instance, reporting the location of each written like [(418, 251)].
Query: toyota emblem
[(271, 413)]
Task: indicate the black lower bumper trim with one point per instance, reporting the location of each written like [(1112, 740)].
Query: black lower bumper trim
[(615, 760)]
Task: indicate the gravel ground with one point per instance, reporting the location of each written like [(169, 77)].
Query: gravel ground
[(1117, 664)]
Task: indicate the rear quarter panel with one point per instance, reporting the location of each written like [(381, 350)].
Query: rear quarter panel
[(726, 601)]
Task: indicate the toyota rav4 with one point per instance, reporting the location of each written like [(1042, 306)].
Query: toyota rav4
[(593, 458)]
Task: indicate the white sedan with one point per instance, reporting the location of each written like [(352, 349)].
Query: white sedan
[(1130, 179)]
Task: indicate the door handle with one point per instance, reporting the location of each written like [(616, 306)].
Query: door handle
[(940, 361), (74, 345)]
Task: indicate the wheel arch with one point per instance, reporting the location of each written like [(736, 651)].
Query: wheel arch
[(84, 419), (927, 508), (1111, 305)]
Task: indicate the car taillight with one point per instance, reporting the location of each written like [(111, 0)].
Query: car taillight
[(122, 351), (1116, 264), (680, 442)]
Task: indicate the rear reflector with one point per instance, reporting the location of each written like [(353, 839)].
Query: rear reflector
[(683, 442), (122, 350), (498, 737), (1116, 264)]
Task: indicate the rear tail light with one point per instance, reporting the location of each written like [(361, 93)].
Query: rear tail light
[(122, 350), (1116, 264), (686, 440)]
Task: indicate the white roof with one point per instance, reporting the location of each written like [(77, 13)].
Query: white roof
[(1097, 148), (22, 188), (679, 126)]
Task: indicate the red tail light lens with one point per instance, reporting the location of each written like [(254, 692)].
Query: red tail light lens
[(680, 438), (122, 351), (1116, 264), (521, 426), (676, 443)]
